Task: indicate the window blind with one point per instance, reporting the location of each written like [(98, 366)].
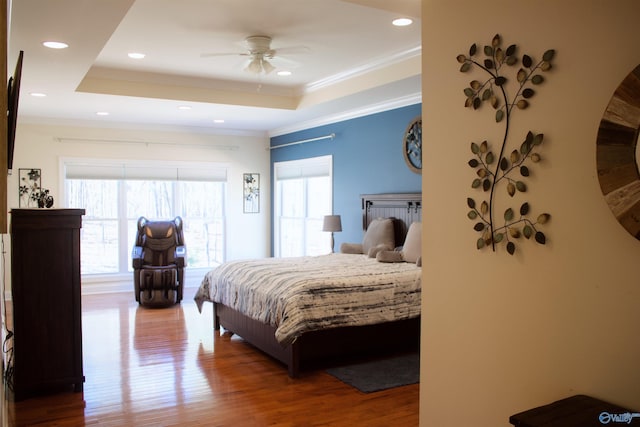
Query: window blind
[(158, 171), (304, 168)]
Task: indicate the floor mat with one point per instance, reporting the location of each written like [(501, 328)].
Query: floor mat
[(380, 374)]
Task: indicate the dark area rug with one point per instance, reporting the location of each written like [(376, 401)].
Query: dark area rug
[(381, 374)]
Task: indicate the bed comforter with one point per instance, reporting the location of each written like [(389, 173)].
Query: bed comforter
[(297, 295)]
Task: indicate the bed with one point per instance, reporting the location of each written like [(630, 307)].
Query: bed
[(279, 305)]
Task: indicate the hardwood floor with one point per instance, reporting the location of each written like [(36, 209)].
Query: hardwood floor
[(167, 367)]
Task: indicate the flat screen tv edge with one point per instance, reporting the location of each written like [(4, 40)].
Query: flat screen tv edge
[(13, 95)]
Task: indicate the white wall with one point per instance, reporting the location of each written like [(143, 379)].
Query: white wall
[(42, 146), (501, 333)]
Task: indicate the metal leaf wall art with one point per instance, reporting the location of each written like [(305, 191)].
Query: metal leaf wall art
[(510, 168)]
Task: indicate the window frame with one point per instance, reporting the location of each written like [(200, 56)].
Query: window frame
[(300, 169), (124, 252)]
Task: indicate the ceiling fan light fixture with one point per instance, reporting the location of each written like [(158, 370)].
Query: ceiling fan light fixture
[(254, 66), (259, 65), (267, 67)]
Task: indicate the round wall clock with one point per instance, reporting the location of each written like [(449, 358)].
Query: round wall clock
[(412, 145)]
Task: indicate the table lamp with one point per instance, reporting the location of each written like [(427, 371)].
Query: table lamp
[(332, 223)]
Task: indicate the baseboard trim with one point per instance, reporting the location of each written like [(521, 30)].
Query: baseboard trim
[(122, 283)]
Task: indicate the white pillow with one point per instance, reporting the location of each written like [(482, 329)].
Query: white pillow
[(412, 248)]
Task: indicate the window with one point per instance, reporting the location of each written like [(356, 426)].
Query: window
[(115, 196), (303, 195)]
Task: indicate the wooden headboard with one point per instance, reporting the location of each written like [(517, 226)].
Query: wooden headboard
[(405, 208)]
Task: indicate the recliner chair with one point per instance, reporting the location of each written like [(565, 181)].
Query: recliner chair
[(159, 258)]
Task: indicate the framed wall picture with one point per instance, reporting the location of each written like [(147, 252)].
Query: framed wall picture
[(251, 192), (29, 185)]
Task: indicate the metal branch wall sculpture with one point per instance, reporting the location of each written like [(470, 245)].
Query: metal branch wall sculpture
[(491, 170)]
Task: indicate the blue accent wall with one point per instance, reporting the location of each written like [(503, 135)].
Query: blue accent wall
[(367, 159)]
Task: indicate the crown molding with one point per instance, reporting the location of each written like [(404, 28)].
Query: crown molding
[(378, 64), (392, 104)]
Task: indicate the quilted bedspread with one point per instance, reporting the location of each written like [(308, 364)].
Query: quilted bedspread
[(296, 295)]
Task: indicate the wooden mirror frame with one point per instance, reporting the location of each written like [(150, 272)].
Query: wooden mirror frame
[(412, 145), (616, 153)]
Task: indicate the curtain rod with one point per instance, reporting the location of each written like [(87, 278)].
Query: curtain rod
[(147, 143), (330, 136)]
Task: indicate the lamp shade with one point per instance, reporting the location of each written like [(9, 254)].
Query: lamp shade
[(332, 223)]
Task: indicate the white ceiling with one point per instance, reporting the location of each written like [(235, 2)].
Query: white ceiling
[(347, 59)]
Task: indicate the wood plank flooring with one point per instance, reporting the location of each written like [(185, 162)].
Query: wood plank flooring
[(167, 367)]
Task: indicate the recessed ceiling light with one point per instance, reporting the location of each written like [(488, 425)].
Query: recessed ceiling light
[(284, 73), (402, 22), (218, 121), (55, 45), (184, 107), (102, 113), (136, 55), (38, 94)]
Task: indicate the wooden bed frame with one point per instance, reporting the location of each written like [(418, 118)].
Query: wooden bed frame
[(321, 346)]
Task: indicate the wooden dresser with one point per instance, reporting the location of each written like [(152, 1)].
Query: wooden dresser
[(45, 288)]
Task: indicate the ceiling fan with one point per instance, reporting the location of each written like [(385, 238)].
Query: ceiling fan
[(261, 54)]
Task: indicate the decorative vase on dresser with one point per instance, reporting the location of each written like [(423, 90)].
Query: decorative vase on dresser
[(47, 312)]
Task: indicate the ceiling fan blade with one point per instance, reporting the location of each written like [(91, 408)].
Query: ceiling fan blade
[(282, 62), (292, 50), (208, 55)]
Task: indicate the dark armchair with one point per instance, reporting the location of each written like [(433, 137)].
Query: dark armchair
[(158, 258)]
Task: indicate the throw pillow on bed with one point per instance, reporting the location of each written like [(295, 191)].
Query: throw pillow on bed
[(411, 250), (378, 237), (351, 248)]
